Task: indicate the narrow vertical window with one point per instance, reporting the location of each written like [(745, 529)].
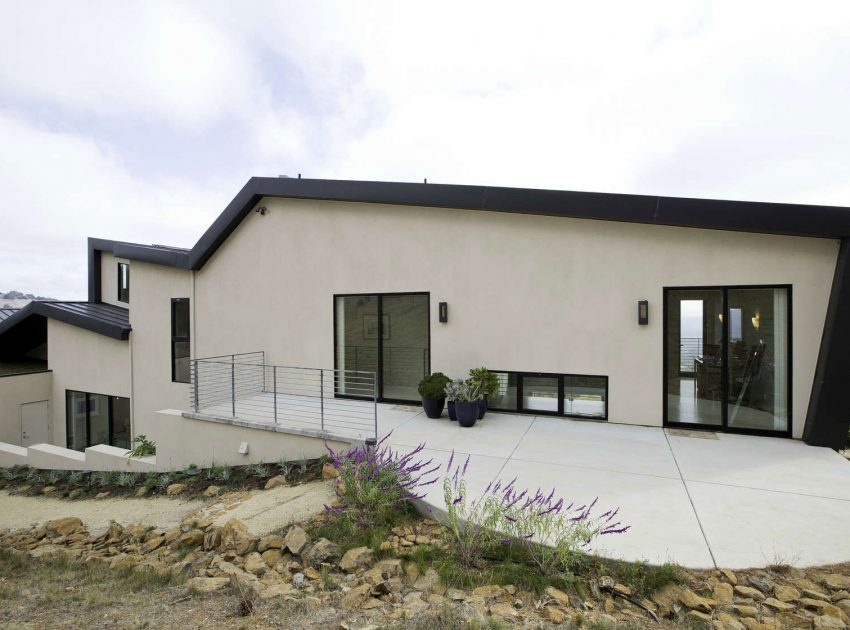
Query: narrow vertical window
[(180, 340), (123, 282)]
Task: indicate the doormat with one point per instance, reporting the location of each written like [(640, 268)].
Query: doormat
[(406, 408), (702, 435)]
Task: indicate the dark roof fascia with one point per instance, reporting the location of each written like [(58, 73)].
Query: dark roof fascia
[(55, 311)]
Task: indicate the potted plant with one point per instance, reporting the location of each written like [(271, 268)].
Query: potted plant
[(433, 391), (451, 390), (488, 385), (467, 403)]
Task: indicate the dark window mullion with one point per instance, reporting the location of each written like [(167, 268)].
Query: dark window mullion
[(724, 378)]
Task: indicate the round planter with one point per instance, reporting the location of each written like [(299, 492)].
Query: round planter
[(451, 408), (433, 406), (482, 407), (466, 412)]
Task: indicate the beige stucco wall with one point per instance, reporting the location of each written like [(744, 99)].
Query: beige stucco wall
[(152, 287), (83, 361), (17, 390), (109, 279), (525, 292)]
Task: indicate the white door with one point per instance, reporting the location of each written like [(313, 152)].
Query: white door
[(35, 423)]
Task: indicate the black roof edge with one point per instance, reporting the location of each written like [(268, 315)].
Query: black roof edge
[(46, 309), (742, 216)]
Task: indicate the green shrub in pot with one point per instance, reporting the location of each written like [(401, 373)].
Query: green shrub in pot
[(432, 389)]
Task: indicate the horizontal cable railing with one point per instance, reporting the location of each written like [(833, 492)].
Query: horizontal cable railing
[(244, 387), (402, 364), (689, 349)]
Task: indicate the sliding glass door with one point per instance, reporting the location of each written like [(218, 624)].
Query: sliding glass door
[(727, 358), (387, 334), (96, 419)]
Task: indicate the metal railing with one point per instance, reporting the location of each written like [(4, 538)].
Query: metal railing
[(402, 364), (242, 386), (689, 349)]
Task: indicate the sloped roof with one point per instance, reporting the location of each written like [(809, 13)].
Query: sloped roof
[(5, 313), (104, 319)]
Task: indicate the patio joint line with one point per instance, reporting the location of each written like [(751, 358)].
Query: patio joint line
[(516, 446), (796, 494), (585, 467), (690, 499)]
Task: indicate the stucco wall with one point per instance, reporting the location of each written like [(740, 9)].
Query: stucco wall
[(84, 361), (151, 288), (16, 390), (109, 279), (525, 292)]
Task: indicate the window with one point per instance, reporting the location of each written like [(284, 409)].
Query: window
[(574, 395), (123, 282), (180, 350), (92, 419)]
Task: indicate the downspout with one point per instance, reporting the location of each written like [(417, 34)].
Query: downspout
[(132, 391)]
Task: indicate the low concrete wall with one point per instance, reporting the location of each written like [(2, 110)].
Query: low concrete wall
[(47, 456), (105, 457), (11, 455), (50, 457), (206, 443), (17, 390)]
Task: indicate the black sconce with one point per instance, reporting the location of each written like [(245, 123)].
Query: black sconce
[(444, 312), (643, 312)]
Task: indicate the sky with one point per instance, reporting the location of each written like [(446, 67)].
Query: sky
[(141, 120)]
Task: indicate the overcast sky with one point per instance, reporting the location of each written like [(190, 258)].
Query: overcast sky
[(141, 120)]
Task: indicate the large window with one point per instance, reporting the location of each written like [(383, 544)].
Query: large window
[(96, 419), (123, 282), (180, 350), (573, 395)]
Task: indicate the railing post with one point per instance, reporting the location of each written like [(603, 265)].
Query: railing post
[(233, 384), (195, 374), (274, 384), (375, 399), (322, 397)]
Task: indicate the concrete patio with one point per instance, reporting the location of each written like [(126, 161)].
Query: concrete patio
[(698, 499)]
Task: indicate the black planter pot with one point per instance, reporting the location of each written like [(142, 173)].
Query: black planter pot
[(433, 406), (451, 407), (466, 412), (482, 407)]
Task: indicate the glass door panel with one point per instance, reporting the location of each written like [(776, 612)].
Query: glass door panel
[(758, 359), (356, 322), (540, 393), (404, 345), (694, 378)]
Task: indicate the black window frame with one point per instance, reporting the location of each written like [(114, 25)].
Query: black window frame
[(110, 402), (120, 289), (518, 408), (175, 339)]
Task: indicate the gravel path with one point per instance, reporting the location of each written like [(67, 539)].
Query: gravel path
[(263, 511)]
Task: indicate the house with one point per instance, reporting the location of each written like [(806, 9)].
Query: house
[(309, 301)]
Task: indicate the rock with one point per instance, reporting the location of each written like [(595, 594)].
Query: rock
[(504, 611), (64, 526), (816, 594), (794, 620), (329, 472), (778, 605), (356, 559), (428, 582), (212, 491), (750, 592), (254, 564), (555, 615), (76, 493), (311, 574), (837, 597), (298, 580), (355, 597), (491, 591), (752, 624), (745, 611), (827, 622), (276, 590), (175, 489), (837, 582), (152, 544), (761, 583), (786, 593), (207, 584), (723, 593), (296, 539), (694, 602), (728, 621), (822, 607), (275, 482), (321, 551), (192, 538), (371, 603), (270, 542), (730, 576), (413, 605), (48, 489), (101, 495), (559, 596), (271, 557), (456, 595), (235, 537), (844, 604)]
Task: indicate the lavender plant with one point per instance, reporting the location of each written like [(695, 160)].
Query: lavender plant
[(374, 483), (542, 527)]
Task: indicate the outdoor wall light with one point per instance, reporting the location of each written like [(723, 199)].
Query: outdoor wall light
[(643, 312), (444, 312)]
